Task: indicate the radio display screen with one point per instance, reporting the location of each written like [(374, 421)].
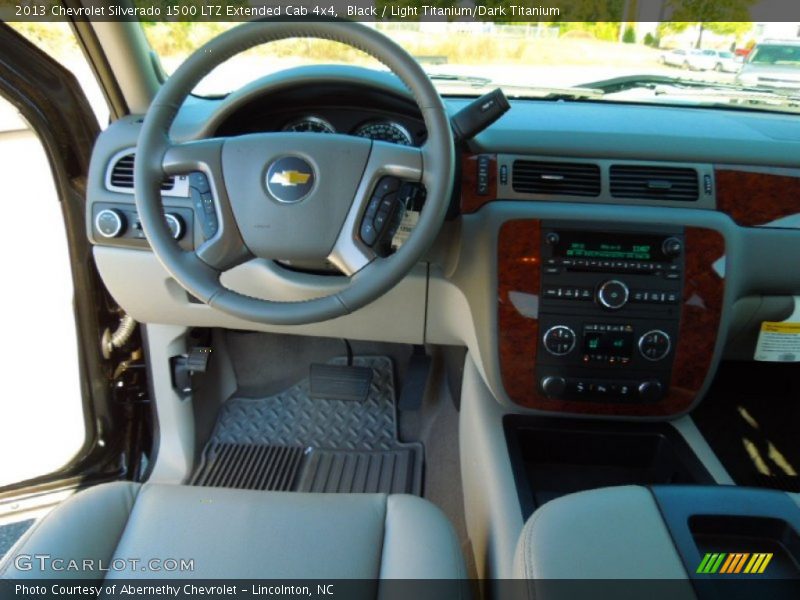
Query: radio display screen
[(609, 246)]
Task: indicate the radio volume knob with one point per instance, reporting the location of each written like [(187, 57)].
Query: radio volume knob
[(613, 294)]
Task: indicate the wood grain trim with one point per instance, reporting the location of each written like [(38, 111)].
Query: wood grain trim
[(519, 268), (752, 198), (471, 201)]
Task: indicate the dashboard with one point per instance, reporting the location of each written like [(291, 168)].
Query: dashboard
[(601, 260)]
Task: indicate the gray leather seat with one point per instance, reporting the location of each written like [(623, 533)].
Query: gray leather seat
[(239, 534)]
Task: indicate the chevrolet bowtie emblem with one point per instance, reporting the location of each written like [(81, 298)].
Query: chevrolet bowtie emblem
[(289, 178)]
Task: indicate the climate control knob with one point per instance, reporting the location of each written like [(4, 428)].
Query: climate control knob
[(613, 294), (559, 340), (553, 386), (110, 223), (655, 345)]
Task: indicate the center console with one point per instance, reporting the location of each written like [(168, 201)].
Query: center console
[(609, 312), (607, 318)]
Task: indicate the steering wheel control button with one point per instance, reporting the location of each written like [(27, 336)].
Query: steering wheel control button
[(290, 179), (110, 223), (613, 294), (655, 345), (368, 234), (559, 340), (199, 181), (384, 212), (203, 203), (387, 185), (176, 225)]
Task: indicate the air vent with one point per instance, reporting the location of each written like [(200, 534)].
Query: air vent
[(654, 183), (122, 175), (554, 178)]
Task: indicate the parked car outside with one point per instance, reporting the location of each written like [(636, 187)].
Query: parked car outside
[(772, 64), (674, 58), (713, 60)]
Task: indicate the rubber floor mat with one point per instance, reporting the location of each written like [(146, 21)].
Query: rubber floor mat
[(293, 442), (750, 418)]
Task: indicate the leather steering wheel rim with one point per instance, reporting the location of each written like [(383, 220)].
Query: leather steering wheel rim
[(199, 271)]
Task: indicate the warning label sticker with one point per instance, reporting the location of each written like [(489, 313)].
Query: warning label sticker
[(778, 342)]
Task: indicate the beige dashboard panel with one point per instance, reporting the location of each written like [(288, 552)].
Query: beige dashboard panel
[(141, 286)]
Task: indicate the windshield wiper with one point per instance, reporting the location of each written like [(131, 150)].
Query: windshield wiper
[(631, 82), (470, 80), (733, 94), (658, 82), (515, 89)]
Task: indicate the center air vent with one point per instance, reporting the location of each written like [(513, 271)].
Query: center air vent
[(654, 183), (122, 175), (555, 178)]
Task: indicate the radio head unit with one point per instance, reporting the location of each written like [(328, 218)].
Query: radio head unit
[(609, 311)]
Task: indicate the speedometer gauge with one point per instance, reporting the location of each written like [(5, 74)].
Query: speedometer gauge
[(385, 131), (309, 124)]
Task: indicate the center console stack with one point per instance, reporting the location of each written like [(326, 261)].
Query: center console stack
[(609, 311), (607, 318)]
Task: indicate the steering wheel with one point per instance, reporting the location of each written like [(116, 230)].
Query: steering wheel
[(293, 195)]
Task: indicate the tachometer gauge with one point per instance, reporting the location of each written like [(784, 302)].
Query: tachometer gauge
[(309, 124), (385, 131)]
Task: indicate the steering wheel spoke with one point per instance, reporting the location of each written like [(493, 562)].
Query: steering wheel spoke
[(223, 247), (388, 167)]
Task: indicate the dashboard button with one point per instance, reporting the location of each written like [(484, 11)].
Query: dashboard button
[(672, 247), (553, 386), (110, 223), (651, 390), (176, 225)]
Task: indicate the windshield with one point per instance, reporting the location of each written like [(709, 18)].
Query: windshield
[(690, 64)]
